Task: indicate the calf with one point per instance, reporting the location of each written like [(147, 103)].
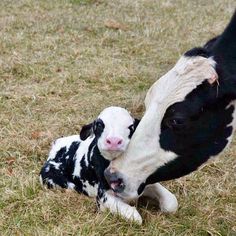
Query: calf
[(190, 117), (78, 162)]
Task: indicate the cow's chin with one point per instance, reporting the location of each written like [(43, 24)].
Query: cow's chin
[(125, 187), (128, 196)]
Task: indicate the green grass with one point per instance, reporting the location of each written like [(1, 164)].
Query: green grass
[(60, 65)]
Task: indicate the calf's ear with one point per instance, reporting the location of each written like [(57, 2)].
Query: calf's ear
[(86, 131)]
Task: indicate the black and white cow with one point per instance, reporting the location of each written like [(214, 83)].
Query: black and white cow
[(78, 162), (190, 117)]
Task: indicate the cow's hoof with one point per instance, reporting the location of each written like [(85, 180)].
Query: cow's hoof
[(169, 204)]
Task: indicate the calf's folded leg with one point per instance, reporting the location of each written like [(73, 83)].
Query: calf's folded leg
[(116, 206), (54, 177), (167, 200)]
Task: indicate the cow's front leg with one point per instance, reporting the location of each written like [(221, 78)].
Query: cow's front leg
[(167, 200), (108, 200)]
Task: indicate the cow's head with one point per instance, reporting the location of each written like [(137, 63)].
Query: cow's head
[(113, 129), (187, 120)]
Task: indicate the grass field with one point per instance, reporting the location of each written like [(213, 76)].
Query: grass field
[(61, 63)]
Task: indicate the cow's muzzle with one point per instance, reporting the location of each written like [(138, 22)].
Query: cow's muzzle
[(114, 180)]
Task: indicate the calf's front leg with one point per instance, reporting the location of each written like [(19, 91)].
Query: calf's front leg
[(167, 200), (115, 205)]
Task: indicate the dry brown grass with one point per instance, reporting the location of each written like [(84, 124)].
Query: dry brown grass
[(60, 64)]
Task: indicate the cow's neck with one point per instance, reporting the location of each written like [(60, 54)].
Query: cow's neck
[(224, 49)]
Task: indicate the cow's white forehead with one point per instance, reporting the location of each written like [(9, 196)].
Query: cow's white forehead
[(115, 115), (185, 76)]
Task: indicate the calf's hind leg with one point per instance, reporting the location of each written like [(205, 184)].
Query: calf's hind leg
[(53, 177)]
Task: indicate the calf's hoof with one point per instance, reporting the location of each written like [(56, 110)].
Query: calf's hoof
[(133, 215)]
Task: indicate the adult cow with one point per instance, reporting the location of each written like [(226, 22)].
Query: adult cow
[(190, 117)]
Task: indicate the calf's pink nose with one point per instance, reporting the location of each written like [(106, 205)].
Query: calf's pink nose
[(113, 143)]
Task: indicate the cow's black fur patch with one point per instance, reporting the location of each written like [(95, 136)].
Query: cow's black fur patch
[(204, 133), (197, 52), (199, 127)]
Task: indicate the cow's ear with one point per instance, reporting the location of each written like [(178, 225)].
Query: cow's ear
[(229, 87), (233, 86), (86, 131)]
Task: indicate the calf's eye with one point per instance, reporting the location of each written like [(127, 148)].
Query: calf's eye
[(99, 126)]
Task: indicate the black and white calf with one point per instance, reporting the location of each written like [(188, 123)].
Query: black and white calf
[(78, 162), (190, 117)]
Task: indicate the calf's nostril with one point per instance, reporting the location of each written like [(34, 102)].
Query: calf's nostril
[(120, 142), (114, 142)]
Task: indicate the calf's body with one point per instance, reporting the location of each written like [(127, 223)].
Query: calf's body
[(78, 162), (75, 164)]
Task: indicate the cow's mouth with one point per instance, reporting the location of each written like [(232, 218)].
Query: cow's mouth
[(117, 185)]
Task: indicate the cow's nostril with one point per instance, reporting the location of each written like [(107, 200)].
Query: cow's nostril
[(108, 141), (116, 183)]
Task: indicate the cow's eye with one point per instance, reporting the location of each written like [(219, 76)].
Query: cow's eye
[(175, 122)]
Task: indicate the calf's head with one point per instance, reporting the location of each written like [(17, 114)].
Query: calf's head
[(112, 129)]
